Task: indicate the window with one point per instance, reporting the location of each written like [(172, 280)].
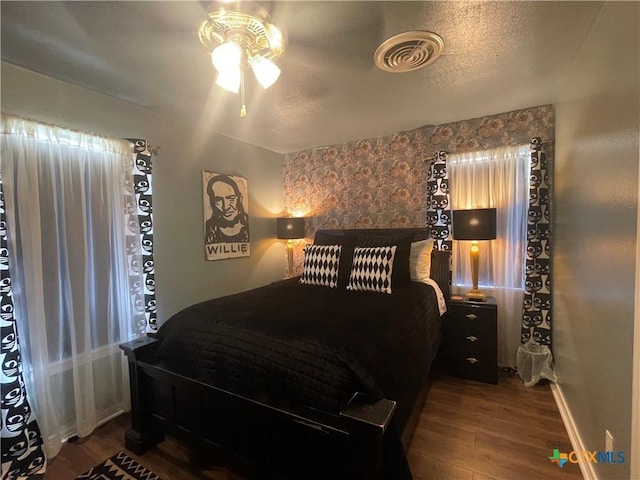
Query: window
[(498, 179), (493, 179), (73, 251)]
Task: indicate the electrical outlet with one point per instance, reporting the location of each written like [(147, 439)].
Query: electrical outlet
[(608, 441)]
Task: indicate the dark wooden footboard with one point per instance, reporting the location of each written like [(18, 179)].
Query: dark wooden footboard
[(254, 437)]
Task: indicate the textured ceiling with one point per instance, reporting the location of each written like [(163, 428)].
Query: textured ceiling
[(498, 56)]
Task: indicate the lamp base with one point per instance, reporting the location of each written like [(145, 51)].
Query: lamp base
[(475, 296), (289, 258)]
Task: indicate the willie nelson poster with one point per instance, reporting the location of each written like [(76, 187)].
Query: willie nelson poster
[(226, 216)]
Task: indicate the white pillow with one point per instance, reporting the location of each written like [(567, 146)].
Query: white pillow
[(420, 259)]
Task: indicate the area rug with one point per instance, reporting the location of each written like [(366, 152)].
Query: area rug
[(119, 467)]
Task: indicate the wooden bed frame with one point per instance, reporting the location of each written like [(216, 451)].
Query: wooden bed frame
[(284, 442)]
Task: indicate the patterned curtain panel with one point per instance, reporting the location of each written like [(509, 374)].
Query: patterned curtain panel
[(536, 321), (438, 201), (22, 453), (144, 216)]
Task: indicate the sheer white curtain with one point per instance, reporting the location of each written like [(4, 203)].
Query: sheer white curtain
[(497, 178), (68, 195)]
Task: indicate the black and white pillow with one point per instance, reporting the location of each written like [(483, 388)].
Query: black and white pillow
[(321, 264), (372, 269)]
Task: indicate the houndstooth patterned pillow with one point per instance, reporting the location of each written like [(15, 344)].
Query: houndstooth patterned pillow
[(372, 268), (321, 265)]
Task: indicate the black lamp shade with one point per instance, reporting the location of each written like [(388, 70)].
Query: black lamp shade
[(476, 224), (290, 227)]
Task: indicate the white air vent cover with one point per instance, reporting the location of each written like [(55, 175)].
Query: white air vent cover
[(408, 51)]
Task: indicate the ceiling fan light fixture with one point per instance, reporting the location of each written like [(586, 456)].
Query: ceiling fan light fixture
[(229, 79), (265, 70), (226, 56), (239, 37), (276, 40)]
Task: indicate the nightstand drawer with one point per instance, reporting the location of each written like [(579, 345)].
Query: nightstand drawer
[(470, 312), (484, 350), (471, 340), (472, 332), (475, 368)]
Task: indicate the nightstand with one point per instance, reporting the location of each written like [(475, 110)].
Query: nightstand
[(471, 340)]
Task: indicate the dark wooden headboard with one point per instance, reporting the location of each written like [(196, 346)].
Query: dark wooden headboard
[(440, 259)]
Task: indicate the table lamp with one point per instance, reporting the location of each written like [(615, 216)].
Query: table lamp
[(476, 224), (290, 228)]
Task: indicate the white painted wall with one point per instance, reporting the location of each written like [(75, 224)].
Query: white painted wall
[(595, 232)]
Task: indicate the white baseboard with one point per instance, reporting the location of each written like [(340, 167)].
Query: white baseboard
[(588, 473)]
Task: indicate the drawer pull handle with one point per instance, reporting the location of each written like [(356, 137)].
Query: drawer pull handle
[(471, 338), (471, 316), (472, 360)]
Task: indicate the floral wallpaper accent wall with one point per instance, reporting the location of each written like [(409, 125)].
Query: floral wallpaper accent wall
[(382, 182)]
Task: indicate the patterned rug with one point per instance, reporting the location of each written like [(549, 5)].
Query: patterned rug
[(119, 467)]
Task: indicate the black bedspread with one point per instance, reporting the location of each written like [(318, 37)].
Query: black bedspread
[(312, 346)]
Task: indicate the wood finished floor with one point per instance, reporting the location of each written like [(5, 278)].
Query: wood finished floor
[(468, 431)]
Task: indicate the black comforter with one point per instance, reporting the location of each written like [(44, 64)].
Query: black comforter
[(308, 345), (314, 343)]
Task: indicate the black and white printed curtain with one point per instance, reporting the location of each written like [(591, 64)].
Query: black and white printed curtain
[(536, 321), (439, 202), (143, 214), (22, 453)]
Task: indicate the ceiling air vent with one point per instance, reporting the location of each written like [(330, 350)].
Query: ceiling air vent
[(408, 51)]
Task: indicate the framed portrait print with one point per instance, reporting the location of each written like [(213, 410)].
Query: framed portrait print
[(226, 216)]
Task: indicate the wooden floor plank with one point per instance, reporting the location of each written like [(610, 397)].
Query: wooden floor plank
[(467, 431), (427, 467), (532, 433), (514, 428)]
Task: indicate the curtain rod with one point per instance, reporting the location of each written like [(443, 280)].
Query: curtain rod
[(545, 142)]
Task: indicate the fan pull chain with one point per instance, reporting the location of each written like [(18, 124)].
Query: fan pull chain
[(243, 109)]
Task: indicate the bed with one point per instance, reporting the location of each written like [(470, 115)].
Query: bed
[(318, 376)]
